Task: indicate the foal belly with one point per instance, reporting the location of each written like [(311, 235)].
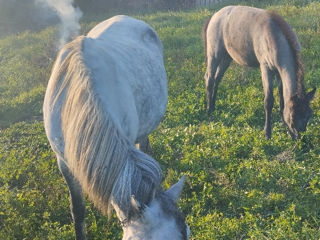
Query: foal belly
[(243, 55)]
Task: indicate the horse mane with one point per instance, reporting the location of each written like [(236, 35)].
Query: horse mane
[(295, 46), (204, 36), (108, 167)]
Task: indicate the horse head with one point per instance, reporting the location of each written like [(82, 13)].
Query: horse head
[(297, 113), (159, 219)]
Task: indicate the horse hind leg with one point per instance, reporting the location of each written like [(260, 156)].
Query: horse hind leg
[(77, 206), (267, 77), (215, 71)]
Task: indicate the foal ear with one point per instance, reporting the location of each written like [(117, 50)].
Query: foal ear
[(310, 95), (175, 190)]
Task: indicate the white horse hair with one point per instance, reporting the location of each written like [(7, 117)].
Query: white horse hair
[(108, 91)]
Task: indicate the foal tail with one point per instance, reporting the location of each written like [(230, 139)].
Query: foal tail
[(204, 36), (295, 46), (107, 166)]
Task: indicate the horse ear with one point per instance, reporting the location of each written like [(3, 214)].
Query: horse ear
[(175, 190), (310, 95)]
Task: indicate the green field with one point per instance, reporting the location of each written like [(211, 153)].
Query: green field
[(239, 185)]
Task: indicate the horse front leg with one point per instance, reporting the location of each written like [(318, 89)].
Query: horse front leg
[(77, 206), (267, 77)]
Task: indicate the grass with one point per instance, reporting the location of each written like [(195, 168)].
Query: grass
[(239, 185)]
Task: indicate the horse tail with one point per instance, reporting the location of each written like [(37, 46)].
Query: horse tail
[(104, 162), (295, 46), (204, 36)]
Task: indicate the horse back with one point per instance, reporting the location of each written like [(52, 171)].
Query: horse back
[(124, 56)]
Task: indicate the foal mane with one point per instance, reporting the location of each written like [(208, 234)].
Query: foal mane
[(108, 167), (295, 46)]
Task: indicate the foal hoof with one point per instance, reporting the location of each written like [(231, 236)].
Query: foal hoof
[(267, 135), (210, 117), (209, 111)]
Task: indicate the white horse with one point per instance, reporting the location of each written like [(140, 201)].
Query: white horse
[(108, 91)]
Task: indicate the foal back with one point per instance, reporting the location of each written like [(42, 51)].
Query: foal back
[(251, 36)]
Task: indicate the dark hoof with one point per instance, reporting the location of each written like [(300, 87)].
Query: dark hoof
[(267, 134), (210, 117), (210, 110)]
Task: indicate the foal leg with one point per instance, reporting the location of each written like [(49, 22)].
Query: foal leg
[(77, 206), (209, 78), (281, 101), (267, 77), (215, 70)]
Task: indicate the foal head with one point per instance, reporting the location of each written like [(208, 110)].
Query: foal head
[(160, 219), (297, 113)]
